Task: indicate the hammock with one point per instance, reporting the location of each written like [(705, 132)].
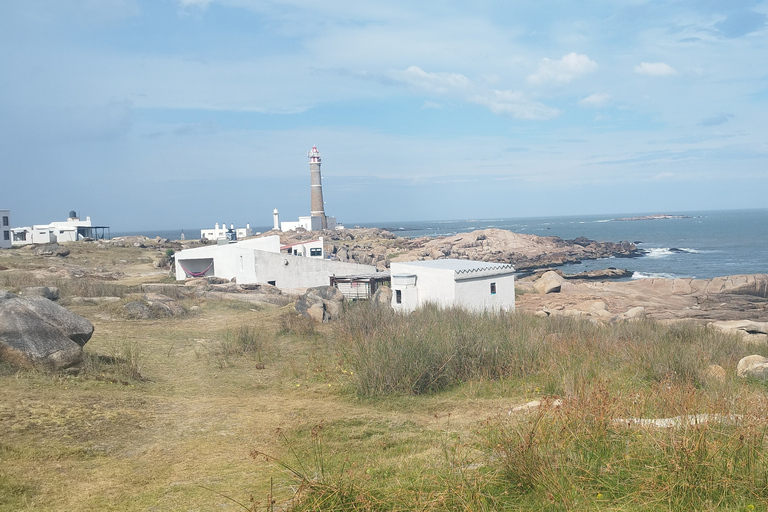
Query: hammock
[(195, 274)]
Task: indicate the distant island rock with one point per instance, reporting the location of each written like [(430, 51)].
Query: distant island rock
[(655, 217)]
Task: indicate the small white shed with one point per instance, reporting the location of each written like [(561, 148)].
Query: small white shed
[(473, 285)]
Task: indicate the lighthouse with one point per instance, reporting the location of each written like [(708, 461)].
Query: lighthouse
[(317, 208)]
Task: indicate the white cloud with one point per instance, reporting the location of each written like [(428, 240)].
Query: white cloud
[(202, 4), (440, 83), (655, 69), (563, 70), (515, 104), (595, 100)]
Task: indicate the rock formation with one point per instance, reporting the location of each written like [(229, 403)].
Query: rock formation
[(321, 304), (38, 333)]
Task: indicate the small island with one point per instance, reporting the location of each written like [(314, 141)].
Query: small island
[(658, 216)]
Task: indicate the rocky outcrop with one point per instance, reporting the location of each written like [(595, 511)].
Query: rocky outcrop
[(748, 330), (549, 282), (379, 247), (382, 297), (53, 249), (731, 298), (321, 304), (753, 367), (38, 333), (608, 273), (47, 292)]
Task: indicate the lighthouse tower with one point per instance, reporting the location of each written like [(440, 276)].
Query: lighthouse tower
[(317, 208)]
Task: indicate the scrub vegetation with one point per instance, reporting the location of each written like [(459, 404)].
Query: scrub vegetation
[(239, 407)]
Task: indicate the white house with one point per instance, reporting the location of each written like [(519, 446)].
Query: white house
[(225, 233), (473, 285), (5, 226), (310, 249), (310, 223), (259, 261), (70, 230)]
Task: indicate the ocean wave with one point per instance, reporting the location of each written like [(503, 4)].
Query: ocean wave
[(650, 275), (663, 252)]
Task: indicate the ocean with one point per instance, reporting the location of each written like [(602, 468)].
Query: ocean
[(699, 245)]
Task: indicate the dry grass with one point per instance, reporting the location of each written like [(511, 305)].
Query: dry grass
[(190, 413)]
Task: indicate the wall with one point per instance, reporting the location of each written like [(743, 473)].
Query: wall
[(230, 260), (434, 285), (301, 272), (6, 239), (475, 294), (441, 286)]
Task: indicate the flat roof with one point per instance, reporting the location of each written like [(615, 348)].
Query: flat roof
[(459, 266), (462, 269)]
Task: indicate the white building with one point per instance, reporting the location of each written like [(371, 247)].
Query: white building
[(224, 233), (259, 261), (310, 223), (70, 230), (473, 285), (6, 241), (310, 249)]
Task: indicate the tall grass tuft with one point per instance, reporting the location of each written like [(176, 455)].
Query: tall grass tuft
[(579, 456), (433, 349)]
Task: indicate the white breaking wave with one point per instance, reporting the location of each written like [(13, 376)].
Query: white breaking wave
[(649, 275), (663, 252)]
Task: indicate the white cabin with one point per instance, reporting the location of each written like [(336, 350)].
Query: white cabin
[(473, 285)]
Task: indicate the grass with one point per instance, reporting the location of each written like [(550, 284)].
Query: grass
[(242, 407)]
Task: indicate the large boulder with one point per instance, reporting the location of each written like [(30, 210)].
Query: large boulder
[(48, 292), (38, 333), (321, 304), (382, 297), (53, 249), (549, 282), (750, 331), (755, 367)]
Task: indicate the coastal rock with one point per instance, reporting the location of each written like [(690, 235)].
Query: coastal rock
[(753, 332), (549, 282), (38, 333), (53, 249), (608, 273), (321, 304), (382, 297), (137, 310), (47, 292), (755, 367)]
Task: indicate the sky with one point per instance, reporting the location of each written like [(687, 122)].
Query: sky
[(171, 114)]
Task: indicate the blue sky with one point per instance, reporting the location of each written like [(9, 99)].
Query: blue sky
[(183, 113)]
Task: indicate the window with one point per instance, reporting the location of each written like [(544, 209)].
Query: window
[(5, 220), (6, 235), (315, 251), (493, 288), (399, 296), (272, 283)]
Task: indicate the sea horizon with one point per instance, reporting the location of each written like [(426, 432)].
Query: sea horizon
[(696, 244)]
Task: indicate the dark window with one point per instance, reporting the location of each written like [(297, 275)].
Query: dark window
[(315, 252), (272, 283), (398, 296), (6, 235), (5, 220), (493, 288)]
